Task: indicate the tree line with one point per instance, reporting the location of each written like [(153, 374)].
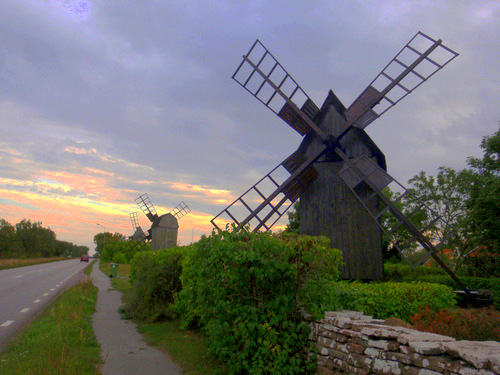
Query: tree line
[(468, 200), (28, 239)]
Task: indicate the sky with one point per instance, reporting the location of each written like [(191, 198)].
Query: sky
[(104, 100)]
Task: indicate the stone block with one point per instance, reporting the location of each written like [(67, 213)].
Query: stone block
[(406, 338), (400, 357), (351, 333), (385, 367), (384, 344), (472, 371), (374, 353), (337, 354), (356, 348), (426, 347), (480, 354), (436, 363), (406, 349), (359, 361)]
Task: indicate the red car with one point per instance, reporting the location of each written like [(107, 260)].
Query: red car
[(84, 258)]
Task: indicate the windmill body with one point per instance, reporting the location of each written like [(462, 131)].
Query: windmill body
[(329, 208), (164, 232)]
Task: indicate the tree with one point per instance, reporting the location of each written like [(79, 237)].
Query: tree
[(10, 244), (102, 239), (484, 194), (293, 225)]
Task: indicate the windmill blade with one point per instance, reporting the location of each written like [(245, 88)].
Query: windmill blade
[(416, 62), (265, 78), (147, 207), (268, 200), (180, 210), (134, 220), (370, 175)]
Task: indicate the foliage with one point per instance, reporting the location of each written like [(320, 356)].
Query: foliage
[(484, 194), (389, 299), (101, 240), (399, 272), (462, 324), (156, 279), (473, 283), (247, 290), (293, 225), (31, 240), (119, 250)]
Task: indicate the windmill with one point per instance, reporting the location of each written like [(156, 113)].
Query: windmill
[(337, 171), (164, 228)]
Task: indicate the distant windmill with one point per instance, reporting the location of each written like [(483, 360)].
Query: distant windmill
[(164, 228), (337, 166)]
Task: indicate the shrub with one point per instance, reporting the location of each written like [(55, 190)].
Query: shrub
[(119, 257), (246, 292), (473, 283), (155, 276), (389, 299), (462, 324)]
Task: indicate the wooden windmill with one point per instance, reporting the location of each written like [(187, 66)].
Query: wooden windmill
[(337, 171), (164, 228)]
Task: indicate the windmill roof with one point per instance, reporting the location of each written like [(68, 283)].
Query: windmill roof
[(332, 100)]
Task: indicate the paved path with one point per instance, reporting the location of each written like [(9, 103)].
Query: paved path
[(26, 291), (123, 350)]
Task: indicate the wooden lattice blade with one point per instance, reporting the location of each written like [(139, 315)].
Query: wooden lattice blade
[(265, 78), (263, 204), (415, 63)]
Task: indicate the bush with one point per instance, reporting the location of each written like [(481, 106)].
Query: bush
[(125, 248), (473, 283), (389, 299), (247, 291), (400, 272), (155, 276), (462, 324)]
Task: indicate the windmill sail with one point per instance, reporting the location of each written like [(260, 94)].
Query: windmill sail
[(266, 202), (418, 60), (147, 207), (180, 210), (265, 78)]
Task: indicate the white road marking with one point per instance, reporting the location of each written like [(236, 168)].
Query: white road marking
[(45, 294), (52, 289), (18, 276), (25, 310), (7, 323), (36, 301)]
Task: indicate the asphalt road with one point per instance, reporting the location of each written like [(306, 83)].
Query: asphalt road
[(26, 291)]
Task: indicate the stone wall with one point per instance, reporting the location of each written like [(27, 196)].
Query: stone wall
[(357, 344)]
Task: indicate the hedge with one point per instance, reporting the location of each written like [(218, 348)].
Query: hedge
[(389, 299), (156, 279), (247, 292)]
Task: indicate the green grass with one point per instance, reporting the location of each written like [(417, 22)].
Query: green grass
[(60, 341), (23, 262), (186, 348), (88, 270)]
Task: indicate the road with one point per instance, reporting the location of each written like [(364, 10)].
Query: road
[(26, 291)]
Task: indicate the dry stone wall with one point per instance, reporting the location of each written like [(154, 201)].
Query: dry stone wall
[(358, 344)]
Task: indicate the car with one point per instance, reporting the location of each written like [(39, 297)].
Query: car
[(84, 258)]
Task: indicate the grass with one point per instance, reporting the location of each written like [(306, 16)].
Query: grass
[(60, 341), (186, 348), (23, 262)]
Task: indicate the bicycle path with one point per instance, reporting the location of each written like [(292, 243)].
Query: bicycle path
[(123, 350)]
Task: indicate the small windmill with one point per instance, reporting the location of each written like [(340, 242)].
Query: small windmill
[(337, 166), (164, 228)]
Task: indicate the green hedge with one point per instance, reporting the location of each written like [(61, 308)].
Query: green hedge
[(247, 292), (405, 273), (156, 279), (389, 299)]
